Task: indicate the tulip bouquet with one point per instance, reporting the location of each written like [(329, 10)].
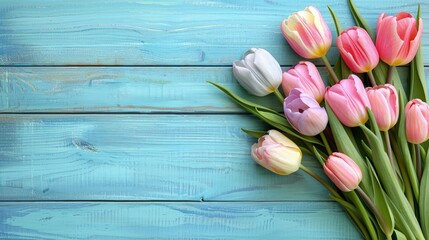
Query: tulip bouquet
[(368, 132)]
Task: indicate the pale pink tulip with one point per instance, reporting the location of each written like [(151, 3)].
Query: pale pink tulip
[(348, 100), (305, 76), (398, 38), (307, 33), (357, 50), (277, 153), (417, 121), (384, 105), (304, 113), (343, 171)]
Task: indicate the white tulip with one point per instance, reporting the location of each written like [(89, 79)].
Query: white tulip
[(258, 72)]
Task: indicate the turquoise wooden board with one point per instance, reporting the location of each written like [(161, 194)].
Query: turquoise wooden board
[(140, 157), (125, 89), (109, 129), (170, 32), (141, 220)]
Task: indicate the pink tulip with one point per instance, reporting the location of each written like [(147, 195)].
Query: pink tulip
[(307, 33), (277, 153), (343, 171), (384, 105), (348, 100), (417, 121), (304, 113), (357, 50), (398, 38), (305, 76)]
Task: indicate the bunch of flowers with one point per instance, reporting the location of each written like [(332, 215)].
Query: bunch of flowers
[(368, 133)]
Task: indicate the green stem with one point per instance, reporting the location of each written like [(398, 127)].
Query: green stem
[(371, 78), (418, 162), (389, 152), (279, 95), (374, 209), (330, 70), (326, 143), (389, 74), (320, 180), (364, 213)]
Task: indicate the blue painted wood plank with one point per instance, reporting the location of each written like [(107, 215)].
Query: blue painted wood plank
[(87, 220), (140, 157), (172, 32), (124, 89)]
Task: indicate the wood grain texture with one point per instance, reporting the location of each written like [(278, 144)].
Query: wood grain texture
[(150, 143), (175, 221), (140, 157), (140, 32), (125, 89)]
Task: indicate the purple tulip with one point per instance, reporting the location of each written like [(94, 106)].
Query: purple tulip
[(304, 113)]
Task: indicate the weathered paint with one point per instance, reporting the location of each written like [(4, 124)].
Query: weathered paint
[(109, 129)]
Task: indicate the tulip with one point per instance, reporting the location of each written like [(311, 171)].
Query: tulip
[(417, 121), (277, 153), (398, 38), (304, 113), (305, 76), (357, 50), (343, 171), (348, 100), (307, 33), (384, 105), (258, 72)]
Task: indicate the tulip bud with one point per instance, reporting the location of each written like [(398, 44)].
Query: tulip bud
[(343, 171), (304, 113), (398, 38), (348, 100), (259, 72), (357, 50), (305, 76), (277, 153), (417, 121), (384, 104), (307, 33)]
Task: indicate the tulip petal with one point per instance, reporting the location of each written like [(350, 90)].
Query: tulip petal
[(269, 68), (248, 81), (279, 164), (316, 120), (281, 139), (388, 41)]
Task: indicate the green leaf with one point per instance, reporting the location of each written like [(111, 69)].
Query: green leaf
[(275, 117), (340, 67), (381, 203), (424, 199), (253, 133), (402, 170), (337, 23), (398, 235), (387, 178), (403, 145), (366, 148), (359, 20), (400, 223), (319, 155), (241, 101), (417, 80)]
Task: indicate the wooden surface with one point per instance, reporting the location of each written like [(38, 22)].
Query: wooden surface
[(109, 129)]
